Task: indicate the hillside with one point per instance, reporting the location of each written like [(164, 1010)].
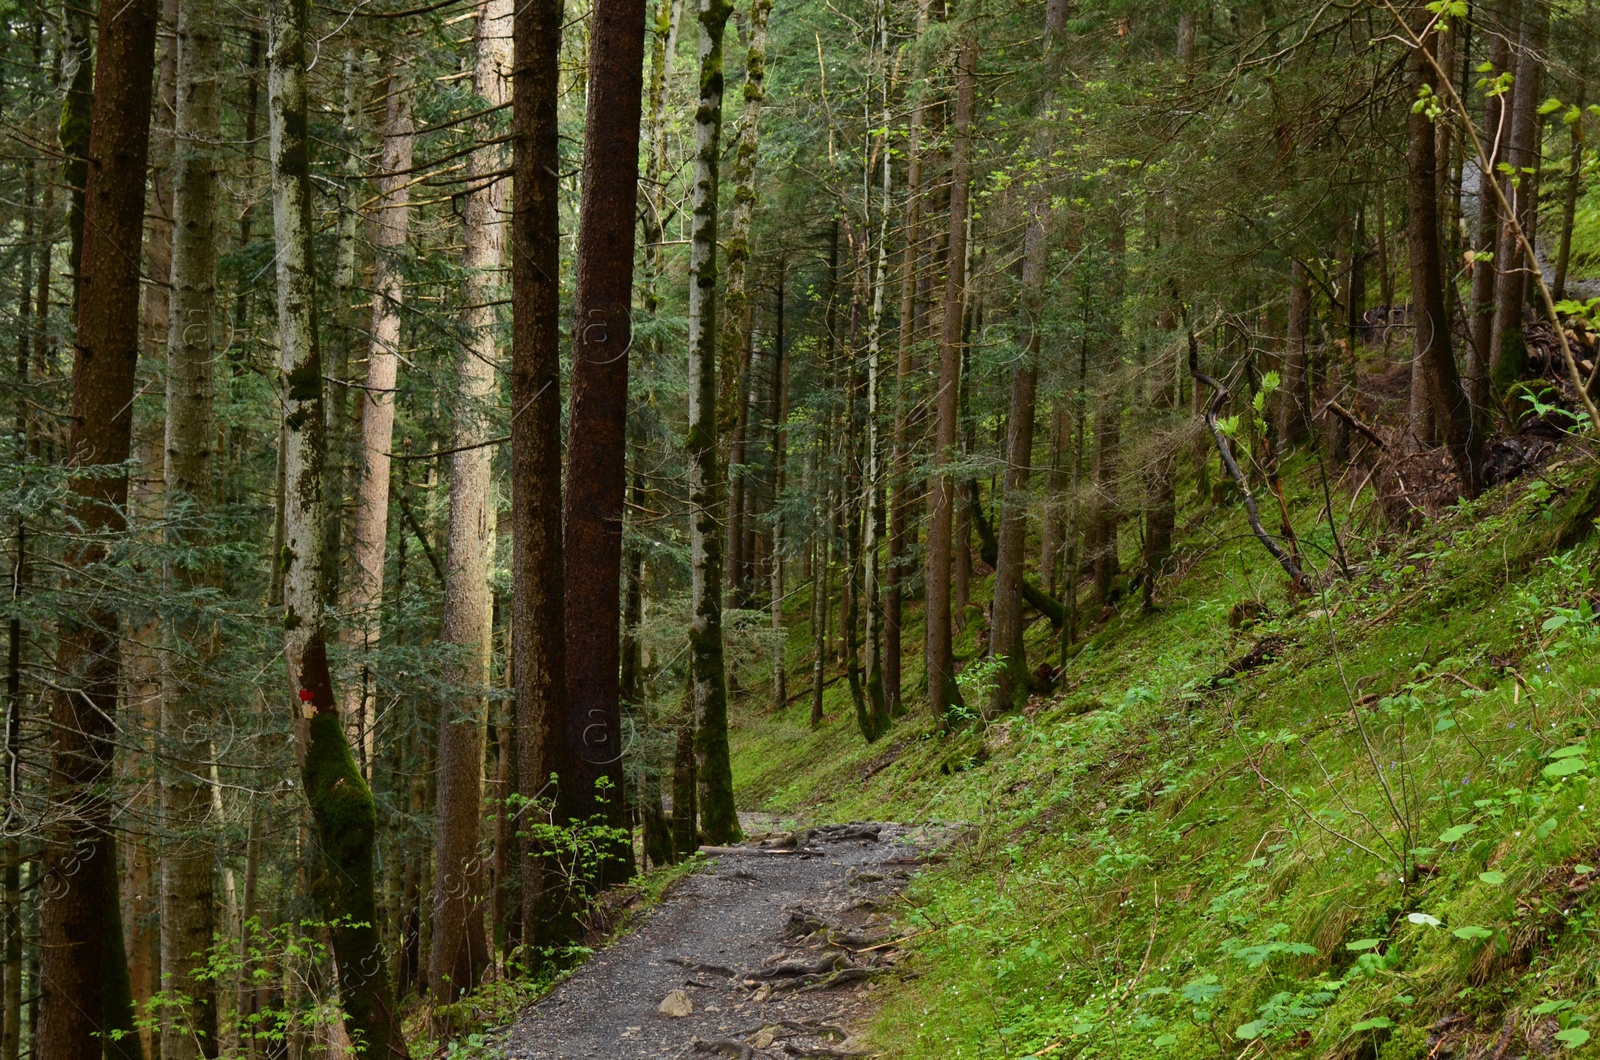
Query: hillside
[(1354, 827)]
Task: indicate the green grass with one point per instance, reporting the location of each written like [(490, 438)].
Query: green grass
[(1327, 856)]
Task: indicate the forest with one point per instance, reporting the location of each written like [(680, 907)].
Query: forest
[(1054, 528)]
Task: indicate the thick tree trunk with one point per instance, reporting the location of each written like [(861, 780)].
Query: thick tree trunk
[(341, 802), (938, 656), (1006, 632), (597, 441), (80, 924), (1508, 353), (718, 821), (190, 701), (538, 643), (1451, 414), (460, 946), (391, 225)]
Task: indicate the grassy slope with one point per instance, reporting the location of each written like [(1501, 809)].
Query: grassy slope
[(1156, 869)]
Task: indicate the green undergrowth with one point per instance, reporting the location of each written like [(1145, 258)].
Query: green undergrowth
[(1377, 843)]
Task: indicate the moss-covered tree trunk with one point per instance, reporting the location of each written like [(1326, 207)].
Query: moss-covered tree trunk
[(708, 679), (341, 803)]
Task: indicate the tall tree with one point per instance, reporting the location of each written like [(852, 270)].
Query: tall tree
[(1006, 633), (1452, 416), (460, 947), (80, 923), (189, 702), (939, 657), (538, 643), (597, 442), (370, 537), (340, 799), (708, 679), (1508, 356)]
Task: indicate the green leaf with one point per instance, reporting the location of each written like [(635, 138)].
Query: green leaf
[(1470, 933), (1550, 106), (1580, 869), (1572, 1037), (1424, 918), (1252, 1029), (1455, 833), (1564, 767), (1376, 1023), (1363, 944), (1163, 1040), (1492, 877), (1569, 751), (1547, 1007)]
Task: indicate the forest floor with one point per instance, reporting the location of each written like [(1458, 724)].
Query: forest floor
[(771, 950)]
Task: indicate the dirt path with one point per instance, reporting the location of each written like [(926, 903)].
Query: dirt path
[(774, 950)]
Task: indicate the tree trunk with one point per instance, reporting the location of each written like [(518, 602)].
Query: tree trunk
[(460, 947), (1451, 413), (538, 643), (1295, 421), (943, 694), (780, 438), (900, 458), (1496, 131), (1508, 354), (872, 495), (597, 442), (718, 821), (341, 802), (735, 338), (1569, 197), (190, 700), (1006, 633), (1107, 524), (80, 924), (391, 224)]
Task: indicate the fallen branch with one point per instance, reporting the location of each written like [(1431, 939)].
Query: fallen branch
[(1359, 427), (1286, 561)]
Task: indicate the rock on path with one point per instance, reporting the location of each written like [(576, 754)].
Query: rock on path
[(771, 951)]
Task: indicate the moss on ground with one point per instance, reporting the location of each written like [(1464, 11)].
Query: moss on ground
[(1375, 845)]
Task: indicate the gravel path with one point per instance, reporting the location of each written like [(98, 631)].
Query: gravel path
[(774, 950)]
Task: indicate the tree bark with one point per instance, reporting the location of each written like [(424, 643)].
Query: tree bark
[(78, 914), (190, 700), (341, 802), (900, 501), (597, 441), (718, 822), (460, 944), (1485, 266), (1508, 354), (1451, 413), (943, 694), (538, 642), (1006, 632), (370, 535)]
